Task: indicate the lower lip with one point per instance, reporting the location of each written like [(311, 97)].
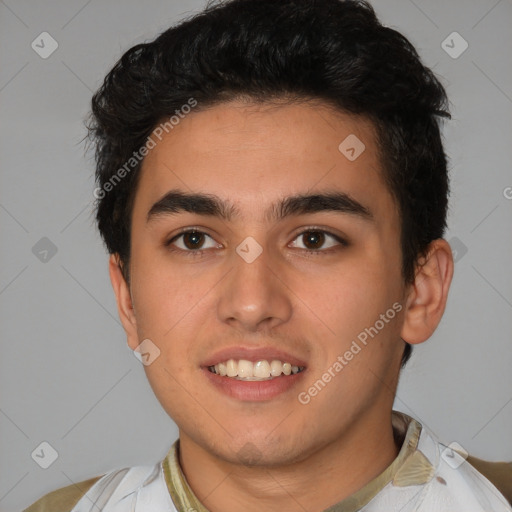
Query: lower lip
[(253, 390)]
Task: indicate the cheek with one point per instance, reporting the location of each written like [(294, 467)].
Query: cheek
[(161, 295), (347, 305), (172, 388), (346, 296), (171, 307)]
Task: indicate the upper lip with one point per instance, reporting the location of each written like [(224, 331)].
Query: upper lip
[(253, 354)]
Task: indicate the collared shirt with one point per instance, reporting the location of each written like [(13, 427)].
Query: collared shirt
[(426, 476)]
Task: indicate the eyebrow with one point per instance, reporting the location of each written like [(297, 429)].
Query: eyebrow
[(176, 201)]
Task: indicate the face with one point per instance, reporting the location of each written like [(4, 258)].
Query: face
[(292, 255)]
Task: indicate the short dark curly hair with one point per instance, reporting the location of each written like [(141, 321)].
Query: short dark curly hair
[(335, 51)]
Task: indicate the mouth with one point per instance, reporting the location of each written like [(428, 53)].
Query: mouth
[(253, 374), (262, 370)]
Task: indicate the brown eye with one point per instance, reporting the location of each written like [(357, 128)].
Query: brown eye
[(313, 239), (317, 240), (193, 239)]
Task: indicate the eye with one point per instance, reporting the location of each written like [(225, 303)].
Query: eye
[(192, 241), (317, 240)]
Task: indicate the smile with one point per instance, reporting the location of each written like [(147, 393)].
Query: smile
[(243, 369)]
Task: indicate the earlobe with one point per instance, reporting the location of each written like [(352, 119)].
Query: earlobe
[(428, 294), (125, 307)]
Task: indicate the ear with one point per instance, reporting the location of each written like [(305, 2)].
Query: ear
[(428, 294), (124, 301)]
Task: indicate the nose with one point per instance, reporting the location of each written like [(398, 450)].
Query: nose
[(254, 295)]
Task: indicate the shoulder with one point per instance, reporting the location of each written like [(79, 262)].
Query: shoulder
[(450, 479), (461, 486), (63, 499), (116, 490), (498, 473), (465, 483)]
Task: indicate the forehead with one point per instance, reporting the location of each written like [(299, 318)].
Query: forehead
[(253, 155)]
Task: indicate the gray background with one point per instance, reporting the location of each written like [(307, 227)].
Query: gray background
[(67, 375)]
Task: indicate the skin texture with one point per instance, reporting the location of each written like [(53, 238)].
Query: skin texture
[(312, 305)]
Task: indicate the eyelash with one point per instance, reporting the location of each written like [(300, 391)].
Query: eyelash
[(311, 229)]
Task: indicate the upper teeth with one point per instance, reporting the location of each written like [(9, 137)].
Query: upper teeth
[(247, 370)]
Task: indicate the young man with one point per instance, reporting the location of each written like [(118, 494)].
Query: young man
[(272, 190)]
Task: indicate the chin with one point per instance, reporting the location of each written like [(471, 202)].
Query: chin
[(264, 451)]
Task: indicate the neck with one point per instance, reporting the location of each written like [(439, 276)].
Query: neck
[(326, 477)]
